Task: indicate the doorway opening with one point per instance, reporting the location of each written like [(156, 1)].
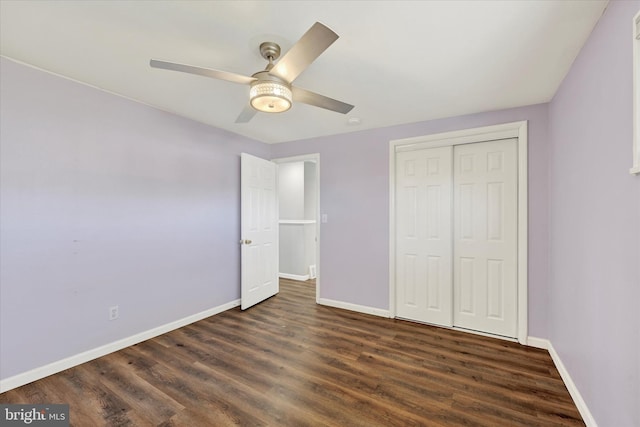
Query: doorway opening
[(299, 212)]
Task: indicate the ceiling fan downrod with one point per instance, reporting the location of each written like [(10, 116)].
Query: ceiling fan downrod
[(271, 52)]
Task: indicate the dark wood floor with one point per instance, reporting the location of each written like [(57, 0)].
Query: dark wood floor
[(290, 362)]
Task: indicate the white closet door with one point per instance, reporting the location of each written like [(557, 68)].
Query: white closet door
[(485, 237), (424, 236)]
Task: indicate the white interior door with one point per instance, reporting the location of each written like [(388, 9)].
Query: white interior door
[(424, 236), (258, 230), (485, 237)]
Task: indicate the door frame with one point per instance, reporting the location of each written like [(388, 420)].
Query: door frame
[(316, 158), (469, 136)]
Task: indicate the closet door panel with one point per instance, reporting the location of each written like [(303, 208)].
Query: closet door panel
[(423, 235), (485, 237)]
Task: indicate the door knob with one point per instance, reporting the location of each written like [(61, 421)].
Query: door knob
[(246, 242)]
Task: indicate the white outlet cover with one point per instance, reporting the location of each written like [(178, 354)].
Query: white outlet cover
[(113, 312)]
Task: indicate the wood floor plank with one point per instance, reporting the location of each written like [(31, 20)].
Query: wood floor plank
[(290, 362)]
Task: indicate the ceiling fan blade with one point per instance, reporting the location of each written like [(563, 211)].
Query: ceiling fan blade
[(317, 100), (246, 114), (315, 41), (207, 72)]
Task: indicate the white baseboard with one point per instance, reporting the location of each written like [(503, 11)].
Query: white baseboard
[(536, 342), (302, 278), (573, 390), (355, 307), (69, 362), (568, 382)]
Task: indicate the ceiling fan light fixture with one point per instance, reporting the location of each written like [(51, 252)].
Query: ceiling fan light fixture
[(270, 89), (270, 96)]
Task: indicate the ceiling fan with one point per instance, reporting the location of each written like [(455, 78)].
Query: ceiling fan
[(271, 89)]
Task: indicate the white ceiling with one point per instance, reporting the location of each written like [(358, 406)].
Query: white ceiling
[(397, 62)]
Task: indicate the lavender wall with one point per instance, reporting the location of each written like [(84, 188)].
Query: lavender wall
[(105, 201), (354, 192), (594, 288)]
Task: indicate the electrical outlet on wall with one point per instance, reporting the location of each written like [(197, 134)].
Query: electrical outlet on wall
[(114, 312)]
